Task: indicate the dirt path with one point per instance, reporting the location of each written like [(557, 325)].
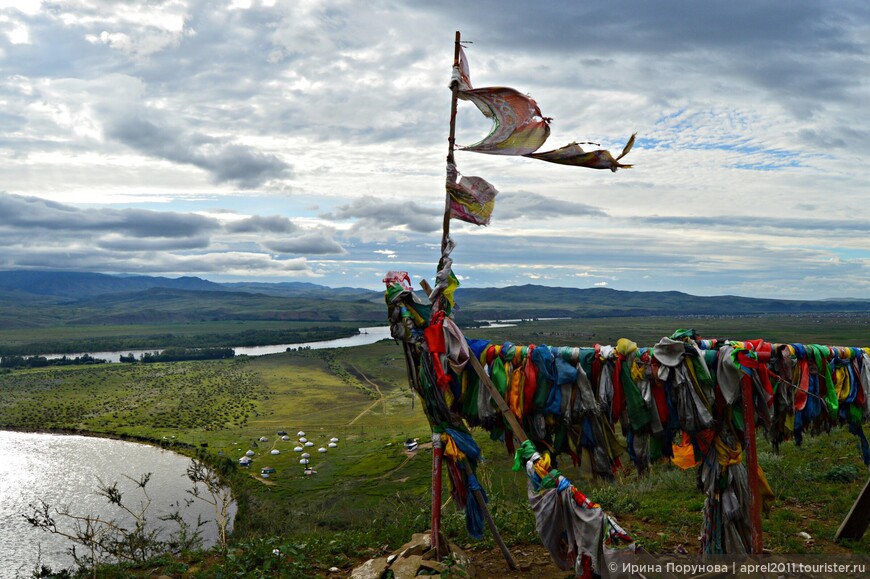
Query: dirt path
[(382, 400), (377, 389), (361, 414)]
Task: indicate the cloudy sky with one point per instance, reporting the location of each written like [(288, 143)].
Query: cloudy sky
[(304, 140)]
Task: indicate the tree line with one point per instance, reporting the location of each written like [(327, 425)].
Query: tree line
[(17, 362), (180, 354), (168, 355)]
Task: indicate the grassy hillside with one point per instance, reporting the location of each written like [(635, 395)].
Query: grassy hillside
[(369, 495)]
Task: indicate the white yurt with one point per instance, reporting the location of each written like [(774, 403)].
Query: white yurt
[(332, 445), (264, 439), (333, 439), (321, 449), (303, 439), (298, 449), (285, 437), (309, 443), (276, 451), (303, 461), (250, 453), (300, 433), (306, 455)]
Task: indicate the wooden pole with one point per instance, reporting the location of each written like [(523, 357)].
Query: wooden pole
[(451, 142), (437, 454), (437, 450), (856, 522), (505, 410), (478, 496), (756, 537)]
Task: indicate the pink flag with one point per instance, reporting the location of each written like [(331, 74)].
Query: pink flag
[(518, 127)]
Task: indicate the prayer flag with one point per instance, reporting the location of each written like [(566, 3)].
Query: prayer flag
[(574, 155), (471, 198), (462, 72), (518, 128)]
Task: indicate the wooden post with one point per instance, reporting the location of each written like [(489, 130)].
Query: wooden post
[(437, 454), (451, 142), (749, 448), (505, 410), (437, 450), (478, 496), (856, 522)]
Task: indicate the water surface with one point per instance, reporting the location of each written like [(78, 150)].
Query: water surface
[(66, 470)]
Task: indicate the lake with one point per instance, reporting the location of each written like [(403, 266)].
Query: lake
[(66, 470)]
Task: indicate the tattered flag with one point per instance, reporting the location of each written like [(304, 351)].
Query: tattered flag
[(471, 198), (574, 155), (520, 129)]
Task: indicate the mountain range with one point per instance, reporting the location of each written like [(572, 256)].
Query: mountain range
[(40, 298)]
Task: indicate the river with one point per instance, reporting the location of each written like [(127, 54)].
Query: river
[(368, 335), (66, 470)]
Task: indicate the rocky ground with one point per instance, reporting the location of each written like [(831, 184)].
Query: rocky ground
[(417, 556)]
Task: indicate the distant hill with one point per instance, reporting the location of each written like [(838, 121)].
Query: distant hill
[(177, 305), (528, 301), (82, 285), (78, 285), (302, 289), (33, 299)]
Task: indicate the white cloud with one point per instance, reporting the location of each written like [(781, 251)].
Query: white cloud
[(16, 31), (29, 7), (320, 127), (319, 242), (116, 40)]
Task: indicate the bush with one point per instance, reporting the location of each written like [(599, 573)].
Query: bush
[(842, 473)]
